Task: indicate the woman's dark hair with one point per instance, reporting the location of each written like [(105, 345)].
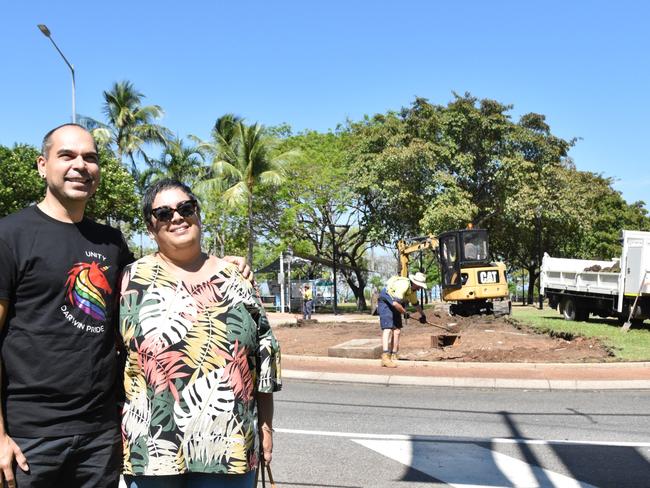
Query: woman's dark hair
[(161, 185)]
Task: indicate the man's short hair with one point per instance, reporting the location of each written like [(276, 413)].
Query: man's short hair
[(47, 140)]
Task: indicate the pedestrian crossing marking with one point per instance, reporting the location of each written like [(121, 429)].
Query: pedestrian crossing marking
[(468, 465)]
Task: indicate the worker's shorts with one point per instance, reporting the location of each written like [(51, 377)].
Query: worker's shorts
[(389, 317)]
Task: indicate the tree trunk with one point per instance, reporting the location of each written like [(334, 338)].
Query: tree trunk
[(361, 297), (532, 281), (358, 288), (251, 236)]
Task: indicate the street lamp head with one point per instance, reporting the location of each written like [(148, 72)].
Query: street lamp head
[(43, 28), (46, 32)]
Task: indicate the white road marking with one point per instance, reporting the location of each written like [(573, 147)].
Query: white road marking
[(462, 463), (466, 465)]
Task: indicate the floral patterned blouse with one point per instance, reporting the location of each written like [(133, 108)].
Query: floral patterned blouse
[(195, 355)]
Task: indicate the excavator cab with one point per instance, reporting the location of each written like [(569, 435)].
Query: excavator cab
[(467, 248), (474, 247)]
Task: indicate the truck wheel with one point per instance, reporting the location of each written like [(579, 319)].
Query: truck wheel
[(569, 309)]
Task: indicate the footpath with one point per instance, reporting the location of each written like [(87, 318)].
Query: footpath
[(546, 376)]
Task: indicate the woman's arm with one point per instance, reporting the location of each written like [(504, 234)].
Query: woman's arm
[(265, 422)]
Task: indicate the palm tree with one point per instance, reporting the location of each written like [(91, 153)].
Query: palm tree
[(178, 161), (243, 157), (131, 125)]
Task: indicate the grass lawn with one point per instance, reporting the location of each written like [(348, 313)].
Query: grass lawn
[(633, 345)]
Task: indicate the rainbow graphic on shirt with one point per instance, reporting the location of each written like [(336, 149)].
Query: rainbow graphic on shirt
[(85, 285)]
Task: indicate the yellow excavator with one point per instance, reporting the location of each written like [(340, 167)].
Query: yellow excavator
[(471, 283)]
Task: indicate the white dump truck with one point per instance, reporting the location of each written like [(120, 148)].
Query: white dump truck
[(579, 287)]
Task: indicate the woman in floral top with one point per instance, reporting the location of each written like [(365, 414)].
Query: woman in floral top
[(201, 361)]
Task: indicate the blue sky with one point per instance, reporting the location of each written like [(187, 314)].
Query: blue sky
[(584, 64)]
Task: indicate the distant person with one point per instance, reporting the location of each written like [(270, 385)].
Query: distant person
[(391, 306), (307, 301), (202, 362)]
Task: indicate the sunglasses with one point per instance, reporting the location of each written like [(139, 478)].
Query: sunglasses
[(185, 209)]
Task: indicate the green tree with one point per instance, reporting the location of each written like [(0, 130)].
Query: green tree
[(115, 199), (178, 161), (391, 175), (539, 210), (130, 125), (20, 184), (316, 213), (605, 215), (243, 159), (431, 168), (225, 229)]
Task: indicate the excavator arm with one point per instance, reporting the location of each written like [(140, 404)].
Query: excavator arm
[(414, 245)]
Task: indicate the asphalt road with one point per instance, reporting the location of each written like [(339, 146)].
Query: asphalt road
[(352, 435)]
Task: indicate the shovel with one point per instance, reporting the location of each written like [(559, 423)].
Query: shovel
[(628, 324), (443, 327)]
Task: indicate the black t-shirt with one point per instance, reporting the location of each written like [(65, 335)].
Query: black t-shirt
[(58, 342)]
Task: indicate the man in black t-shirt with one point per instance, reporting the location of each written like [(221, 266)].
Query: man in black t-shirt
[(59, 275)]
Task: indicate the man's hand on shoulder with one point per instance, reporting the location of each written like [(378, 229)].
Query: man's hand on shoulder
[(243, 266)]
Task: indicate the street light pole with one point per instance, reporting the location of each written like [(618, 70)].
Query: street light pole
[(289, 253), (333, 230), (46, 32)]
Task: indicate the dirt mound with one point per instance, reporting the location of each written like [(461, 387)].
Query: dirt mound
[(481, 338)]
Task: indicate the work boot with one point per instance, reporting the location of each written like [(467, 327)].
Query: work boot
[(394, 358), (386, 362)]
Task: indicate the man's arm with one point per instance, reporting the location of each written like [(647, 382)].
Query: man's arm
[(399, 307), (420, 309), (243, 266), (9, 450)]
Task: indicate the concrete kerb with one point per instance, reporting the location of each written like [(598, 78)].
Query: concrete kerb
[(483, 383), (495, 380), (475, 365)]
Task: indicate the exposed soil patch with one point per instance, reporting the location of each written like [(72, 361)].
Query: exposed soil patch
[(481, 338)]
